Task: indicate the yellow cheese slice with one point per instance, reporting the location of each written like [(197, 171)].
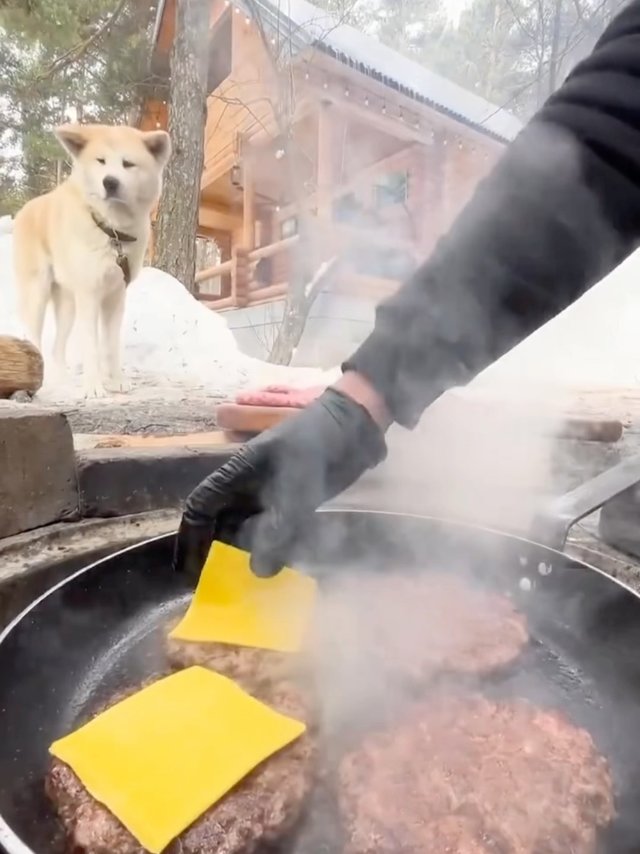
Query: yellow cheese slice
[(161, 758), (232, 605)]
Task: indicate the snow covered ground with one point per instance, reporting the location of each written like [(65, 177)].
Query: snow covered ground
[(174, 347), (593, 344)]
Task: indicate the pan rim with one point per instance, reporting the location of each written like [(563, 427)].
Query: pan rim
[(8, 838), (447, 521)]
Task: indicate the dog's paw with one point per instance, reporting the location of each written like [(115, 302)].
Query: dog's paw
[(21, 396), (95, 389), (118, 386)]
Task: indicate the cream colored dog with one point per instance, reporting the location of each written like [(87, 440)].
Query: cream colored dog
[(80, 245)]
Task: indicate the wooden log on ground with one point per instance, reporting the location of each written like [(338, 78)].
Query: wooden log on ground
[(237, 418), (21, 366)]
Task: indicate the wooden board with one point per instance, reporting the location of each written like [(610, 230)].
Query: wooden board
[(235, 418), (92, 440), (239, 418)]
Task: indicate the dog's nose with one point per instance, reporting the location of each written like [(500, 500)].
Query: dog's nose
[(110, 184)]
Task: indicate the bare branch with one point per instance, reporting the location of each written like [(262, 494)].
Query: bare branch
[(77, 52), (527, 32)]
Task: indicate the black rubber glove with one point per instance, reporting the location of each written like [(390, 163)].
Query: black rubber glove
[(277, 481)]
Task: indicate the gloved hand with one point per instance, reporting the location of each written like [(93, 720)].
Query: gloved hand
[(278, 480)]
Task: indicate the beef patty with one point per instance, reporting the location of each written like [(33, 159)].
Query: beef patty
[(469, 776), (417, 625), (259, 810), (255, 670)]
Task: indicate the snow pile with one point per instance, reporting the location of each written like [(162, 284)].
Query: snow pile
[(594, 343), (173, 345)]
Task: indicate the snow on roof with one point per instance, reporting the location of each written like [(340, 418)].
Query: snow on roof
[(307, 25)]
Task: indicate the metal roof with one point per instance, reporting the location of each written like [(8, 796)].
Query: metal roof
[(307, 25)]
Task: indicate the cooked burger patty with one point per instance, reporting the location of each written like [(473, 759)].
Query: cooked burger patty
[(415, 626), (469, 776), (255, 670), (260, 809)]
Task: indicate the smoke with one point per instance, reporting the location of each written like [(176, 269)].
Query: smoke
[(464, 462), (476, 460), (488, 454)]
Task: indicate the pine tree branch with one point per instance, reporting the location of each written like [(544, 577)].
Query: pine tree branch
[(69, 57), (27, 6)]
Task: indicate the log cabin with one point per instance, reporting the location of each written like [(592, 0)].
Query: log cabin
[(322, 143)]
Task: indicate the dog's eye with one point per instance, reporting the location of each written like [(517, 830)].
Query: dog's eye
[(128, 164), (101, 160)]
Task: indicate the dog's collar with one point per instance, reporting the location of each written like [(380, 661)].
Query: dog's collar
[(113, 233), (117, 238)]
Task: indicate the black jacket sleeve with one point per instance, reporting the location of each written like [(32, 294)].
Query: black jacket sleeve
[(561, 209)]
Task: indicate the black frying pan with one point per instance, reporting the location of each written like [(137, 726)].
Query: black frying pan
[(100, 631)]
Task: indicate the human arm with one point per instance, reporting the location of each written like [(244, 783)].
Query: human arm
[(559, 211)]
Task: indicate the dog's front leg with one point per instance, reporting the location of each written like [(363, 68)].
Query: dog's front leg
[(111, 328), (64, 309), (87, 313)]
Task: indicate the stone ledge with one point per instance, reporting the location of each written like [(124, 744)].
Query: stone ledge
[(37, 469), (124, 481), (32, 562)]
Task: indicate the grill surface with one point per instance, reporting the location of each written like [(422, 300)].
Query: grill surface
[(102, 630)]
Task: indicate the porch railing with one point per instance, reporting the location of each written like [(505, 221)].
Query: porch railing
[(244, 290), (329, 239)]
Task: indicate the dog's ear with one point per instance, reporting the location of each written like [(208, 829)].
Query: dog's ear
[(159, 144), (73, 138)]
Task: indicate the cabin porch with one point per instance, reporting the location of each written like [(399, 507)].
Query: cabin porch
[(336, 188)]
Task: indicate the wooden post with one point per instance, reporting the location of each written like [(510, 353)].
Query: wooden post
[(248, 204), (240, 276), (325, 161)]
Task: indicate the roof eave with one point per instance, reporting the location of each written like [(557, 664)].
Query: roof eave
[(409, 93), (302, 40)]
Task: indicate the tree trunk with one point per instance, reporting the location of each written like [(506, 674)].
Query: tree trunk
[(304, 282), (492, 64), (554, 58), (298, 304), (177, 224), (290, 330)]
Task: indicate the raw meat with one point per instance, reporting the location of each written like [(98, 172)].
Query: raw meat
[(464, 775), (278, 395)]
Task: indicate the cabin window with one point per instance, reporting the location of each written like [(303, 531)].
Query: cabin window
[(263, 272), (347, 208), (220, 52), (211, 251), (289, 227), (391, 189)]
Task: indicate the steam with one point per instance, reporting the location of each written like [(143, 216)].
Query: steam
[(476, 459), (487, 455)]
